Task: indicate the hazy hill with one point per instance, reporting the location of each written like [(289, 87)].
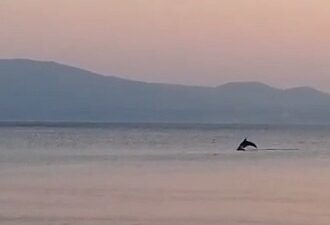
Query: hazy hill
[(33, 90)]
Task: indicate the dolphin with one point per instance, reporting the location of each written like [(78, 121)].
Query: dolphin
[(245, 143)]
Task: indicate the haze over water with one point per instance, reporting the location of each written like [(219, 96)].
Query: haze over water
[(161, 174), (164, 175)]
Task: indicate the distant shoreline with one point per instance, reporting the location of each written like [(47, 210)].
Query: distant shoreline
[(183, 125)]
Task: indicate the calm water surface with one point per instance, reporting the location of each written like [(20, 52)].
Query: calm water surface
[(163, 174)]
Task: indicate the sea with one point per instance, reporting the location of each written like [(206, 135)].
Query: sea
[(163, 174)]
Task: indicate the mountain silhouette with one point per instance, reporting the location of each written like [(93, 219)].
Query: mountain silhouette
[(47, 91)]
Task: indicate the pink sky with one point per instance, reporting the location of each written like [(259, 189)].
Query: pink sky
[(205, 42)]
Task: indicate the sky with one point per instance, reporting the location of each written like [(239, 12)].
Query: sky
[(284, 43)]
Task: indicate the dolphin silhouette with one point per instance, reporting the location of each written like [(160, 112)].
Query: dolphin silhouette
[(245, 143)]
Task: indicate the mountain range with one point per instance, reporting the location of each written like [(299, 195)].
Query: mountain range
[(47, 91)]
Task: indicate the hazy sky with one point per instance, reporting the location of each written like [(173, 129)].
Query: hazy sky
[(206, 42)]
